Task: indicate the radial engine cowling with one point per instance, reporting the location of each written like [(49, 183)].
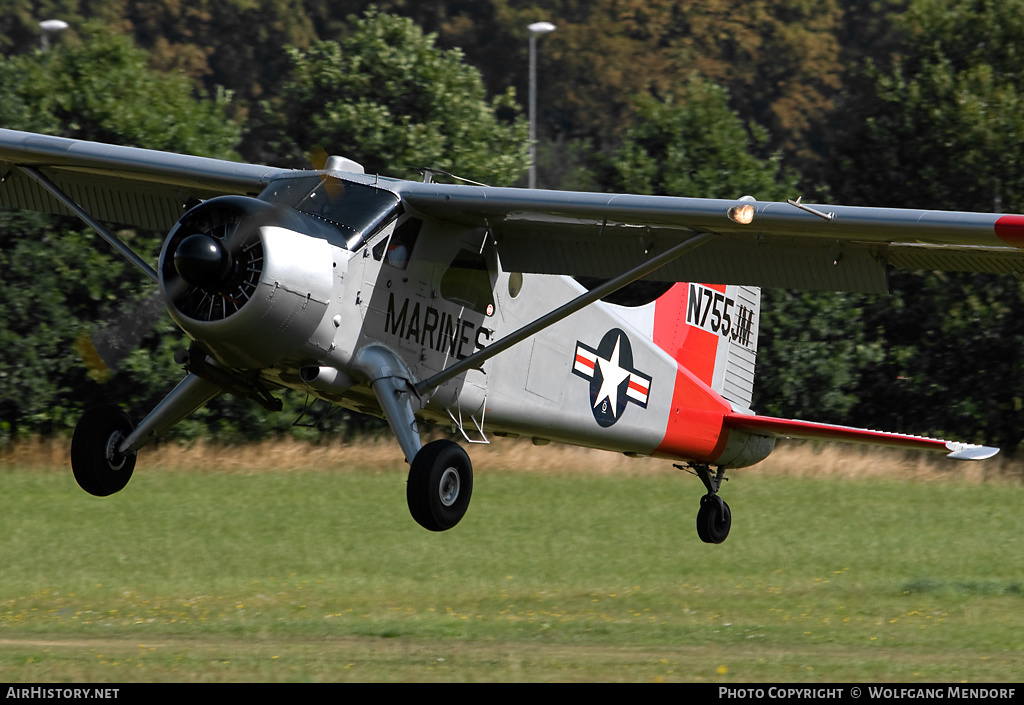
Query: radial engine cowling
[(244, 277)]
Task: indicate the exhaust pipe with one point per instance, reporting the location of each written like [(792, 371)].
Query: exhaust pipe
[(328, 380)]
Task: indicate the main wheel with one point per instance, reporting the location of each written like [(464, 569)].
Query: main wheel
[(98, 466), (440, 485), (714, 519)]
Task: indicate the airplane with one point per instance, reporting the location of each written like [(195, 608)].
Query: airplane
[(627, 323)]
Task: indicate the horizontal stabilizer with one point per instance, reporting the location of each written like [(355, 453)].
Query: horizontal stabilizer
[(809, 430)]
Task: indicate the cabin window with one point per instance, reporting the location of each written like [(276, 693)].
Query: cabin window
[(402, 243), (469, 281), (638, 293), (515, 284)]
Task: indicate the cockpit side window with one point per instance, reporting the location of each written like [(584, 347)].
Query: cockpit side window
[(469, 280), (402, 243)]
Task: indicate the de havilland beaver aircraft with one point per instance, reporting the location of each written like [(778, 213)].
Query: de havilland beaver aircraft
[(500, 311)]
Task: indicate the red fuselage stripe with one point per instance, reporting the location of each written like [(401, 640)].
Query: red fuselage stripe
[(696, 422), (695, 428)]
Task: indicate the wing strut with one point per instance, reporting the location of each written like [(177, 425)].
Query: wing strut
[(610, 286), (127, 252)]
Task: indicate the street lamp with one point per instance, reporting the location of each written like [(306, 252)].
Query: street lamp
[(48, 28), (535, 29)]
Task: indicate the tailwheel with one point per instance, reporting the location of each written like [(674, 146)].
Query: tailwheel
[(440, 485), (99, 467), (714, 519)]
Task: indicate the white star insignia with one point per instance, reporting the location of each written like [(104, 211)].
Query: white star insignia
[(611, 377)]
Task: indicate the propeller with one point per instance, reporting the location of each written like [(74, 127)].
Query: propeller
[(104, 350), (320, 160), (213, 257), (210, 266)]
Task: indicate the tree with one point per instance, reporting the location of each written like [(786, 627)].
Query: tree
[(940, 125), (779, 60), (102, 89), (388, 98), (238, 44), (60, 279), (942, 118), (694, 145)]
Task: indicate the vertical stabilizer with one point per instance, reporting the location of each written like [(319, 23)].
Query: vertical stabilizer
[(711, 329)]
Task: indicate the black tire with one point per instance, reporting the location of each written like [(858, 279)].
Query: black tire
[(714, 519), (440, 485), (99, 469)]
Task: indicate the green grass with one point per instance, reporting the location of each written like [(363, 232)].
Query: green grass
[(189, 576)]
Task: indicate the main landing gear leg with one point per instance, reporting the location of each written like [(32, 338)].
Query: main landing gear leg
[(440, 473), (714, 519)]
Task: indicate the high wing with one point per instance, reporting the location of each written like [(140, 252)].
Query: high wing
[(785, 245), (125, 185), (555, 232)]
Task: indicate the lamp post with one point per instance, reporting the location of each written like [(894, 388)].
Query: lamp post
[(535, 29), (48, 28)]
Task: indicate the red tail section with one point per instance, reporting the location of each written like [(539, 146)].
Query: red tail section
[(711, 330), (692, 347)]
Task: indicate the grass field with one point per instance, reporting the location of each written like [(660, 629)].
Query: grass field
[(286, 563)]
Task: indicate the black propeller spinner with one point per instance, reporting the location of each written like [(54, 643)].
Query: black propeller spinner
[(203, 261)]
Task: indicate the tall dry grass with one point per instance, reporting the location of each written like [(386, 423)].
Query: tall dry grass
[(793, 459)]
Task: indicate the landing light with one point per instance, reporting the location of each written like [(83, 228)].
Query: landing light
[(742, 214)]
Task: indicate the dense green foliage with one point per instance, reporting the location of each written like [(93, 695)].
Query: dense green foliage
[(386, 97), (939, 125), (880, 102), (693, 144), (58, 278)]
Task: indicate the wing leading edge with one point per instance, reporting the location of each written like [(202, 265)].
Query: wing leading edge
[(126, 185)]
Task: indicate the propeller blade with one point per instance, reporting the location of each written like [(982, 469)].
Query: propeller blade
[(105, 350), (318, 159)]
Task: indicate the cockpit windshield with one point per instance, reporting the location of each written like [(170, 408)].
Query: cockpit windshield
[(355, 210)]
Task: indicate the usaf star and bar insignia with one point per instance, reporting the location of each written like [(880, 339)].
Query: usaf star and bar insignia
[(614, 382)]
